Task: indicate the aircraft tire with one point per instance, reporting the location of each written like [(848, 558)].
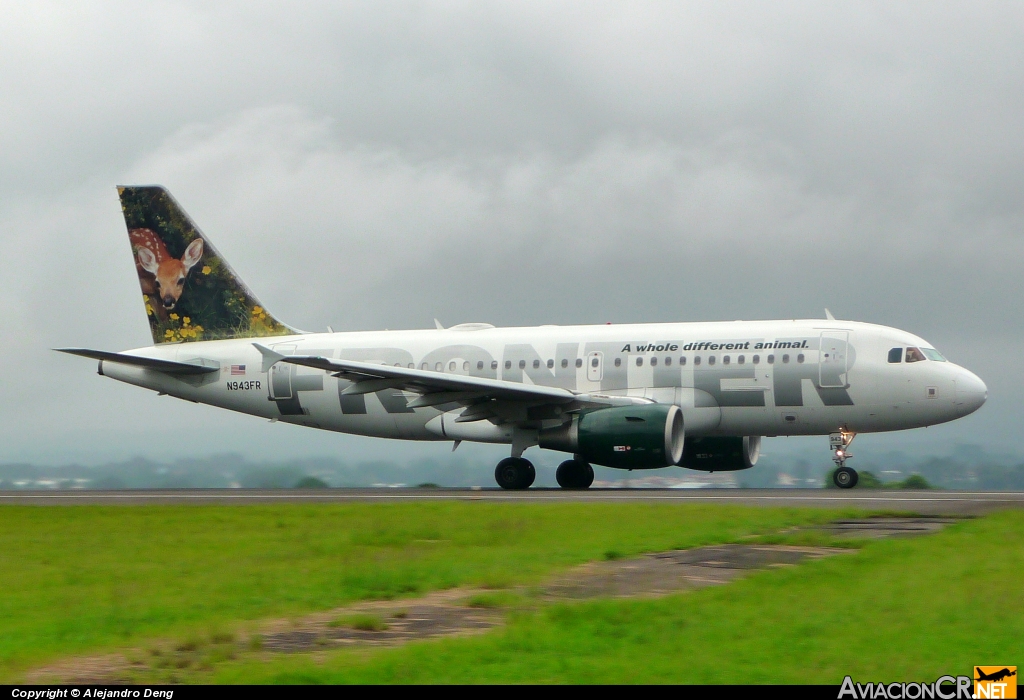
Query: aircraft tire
[(574, 474), (515, 473), (844, 478)]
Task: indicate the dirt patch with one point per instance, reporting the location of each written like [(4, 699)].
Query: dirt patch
[(86, 670), (449, 612), (669, 572), (876, 528), (439, 614)]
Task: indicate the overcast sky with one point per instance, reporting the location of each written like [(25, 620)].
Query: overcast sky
[(376, 165)]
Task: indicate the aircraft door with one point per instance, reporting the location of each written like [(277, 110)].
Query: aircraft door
[(833, 356), (595, 366)]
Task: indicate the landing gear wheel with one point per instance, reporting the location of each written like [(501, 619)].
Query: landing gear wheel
[(515, 473), (844, 478), (574, 474)]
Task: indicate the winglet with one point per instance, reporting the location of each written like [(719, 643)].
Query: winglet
[(437, 325), (270, 357), (829, 316)]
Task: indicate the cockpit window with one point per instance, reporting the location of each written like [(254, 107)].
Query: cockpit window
[(933, 354), (915, 355), (895, 356)]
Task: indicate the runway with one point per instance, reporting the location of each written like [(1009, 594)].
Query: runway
[(923, 502)]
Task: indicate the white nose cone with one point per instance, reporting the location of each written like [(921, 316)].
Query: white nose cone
[(971, 392)]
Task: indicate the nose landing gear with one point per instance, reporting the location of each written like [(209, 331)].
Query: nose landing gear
[(843, 477)]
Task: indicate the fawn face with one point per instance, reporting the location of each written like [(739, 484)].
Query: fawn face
[(170, 273)]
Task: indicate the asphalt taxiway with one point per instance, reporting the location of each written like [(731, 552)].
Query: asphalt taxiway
[(923, 502)]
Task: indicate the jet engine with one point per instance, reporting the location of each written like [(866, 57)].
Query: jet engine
[(647, 436), (721, 454)]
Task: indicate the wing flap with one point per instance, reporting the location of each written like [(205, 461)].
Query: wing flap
[(484, 398), (375, 377), (420, 381)]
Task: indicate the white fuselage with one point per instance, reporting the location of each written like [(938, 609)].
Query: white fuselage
[(737, 378)]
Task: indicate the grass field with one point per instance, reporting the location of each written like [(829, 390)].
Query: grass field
[(910, 609), (85, 579)]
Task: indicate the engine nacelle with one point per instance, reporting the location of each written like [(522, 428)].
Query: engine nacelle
[(721, 454), (647, 436)]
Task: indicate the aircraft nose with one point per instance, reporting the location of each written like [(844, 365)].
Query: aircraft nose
[(971, 392)]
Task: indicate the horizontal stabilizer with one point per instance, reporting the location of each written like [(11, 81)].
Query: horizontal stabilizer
[(166, 366)]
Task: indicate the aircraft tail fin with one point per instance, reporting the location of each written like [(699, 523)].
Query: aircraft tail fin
[(189, 290)]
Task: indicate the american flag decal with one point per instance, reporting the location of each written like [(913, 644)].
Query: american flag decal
[(237, 369)]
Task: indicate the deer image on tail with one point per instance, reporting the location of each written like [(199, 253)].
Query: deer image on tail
[(161, 275)]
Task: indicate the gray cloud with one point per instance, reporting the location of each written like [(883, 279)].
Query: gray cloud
[(375, 166)]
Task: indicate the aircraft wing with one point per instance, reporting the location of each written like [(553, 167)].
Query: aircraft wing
[(485, 398), (166, 366)]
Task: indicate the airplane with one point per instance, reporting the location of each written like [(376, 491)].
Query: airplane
[(628, 396)]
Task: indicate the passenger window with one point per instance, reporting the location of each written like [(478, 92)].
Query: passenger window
[(565, 363), (508, 364), (579, 361), (696, 359), (771, 359), (800, 358), (423, 366), (741, 359), (412, 365), (594, 362), (618, 361), (654, 362), (682, 359), (895, 355), (522, 364), (451, 366), (536, 364), (437, 367), (479, 364), (711, 359), (785, 358), (914, 355), (639, 362), (668, 361), (494, 364), (757, 359), (726, 360), (551, 363)]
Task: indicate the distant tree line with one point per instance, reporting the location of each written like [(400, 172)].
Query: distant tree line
[(967, 467)]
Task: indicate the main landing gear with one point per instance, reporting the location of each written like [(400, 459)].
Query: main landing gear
[(574, 474), (515, 473), (843, 477)]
